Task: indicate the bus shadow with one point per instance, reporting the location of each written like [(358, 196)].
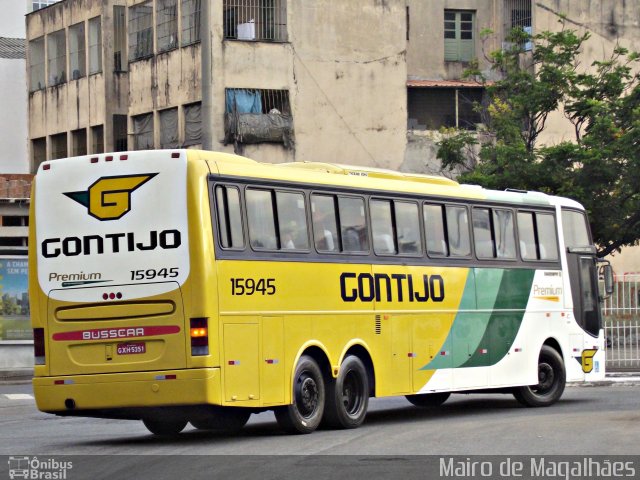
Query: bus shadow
[(266, 426)]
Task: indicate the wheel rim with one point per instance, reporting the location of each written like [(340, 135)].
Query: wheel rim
[(546, 379), (352, 393), (307, 395)]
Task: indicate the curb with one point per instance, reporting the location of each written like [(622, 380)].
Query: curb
[(16, 375)]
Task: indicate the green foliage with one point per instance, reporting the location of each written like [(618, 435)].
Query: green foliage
[(600, 168)]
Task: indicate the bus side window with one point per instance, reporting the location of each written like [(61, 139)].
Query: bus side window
[(292, 221), (325, 224), (547, 236), (527, 236), (262, 228), (229, 217), (407, 228), (458, 231), (434, 230), (382, 227), (482, 232), (504, 233), (353, 225), (574, 226)]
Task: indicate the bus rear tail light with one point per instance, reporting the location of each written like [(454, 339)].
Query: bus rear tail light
[(38, 346), (199, 337)]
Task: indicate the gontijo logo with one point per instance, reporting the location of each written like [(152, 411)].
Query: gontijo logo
[(109, 198)]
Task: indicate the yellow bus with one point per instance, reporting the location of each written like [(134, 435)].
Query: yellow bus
[(190, 286)]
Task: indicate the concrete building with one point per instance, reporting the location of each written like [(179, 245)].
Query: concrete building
[(444, 35), (282, 81), (364, 82), (15, 183)]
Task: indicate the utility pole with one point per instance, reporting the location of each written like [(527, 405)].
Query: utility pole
[(206, 80)]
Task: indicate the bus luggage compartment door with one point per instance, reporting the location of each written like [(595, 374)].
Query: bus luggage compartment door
[(115, 329), (241, 360)]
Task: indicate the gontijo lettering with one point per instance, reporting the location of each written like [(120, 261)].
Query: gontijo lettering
[(395, 287), (111, 243)]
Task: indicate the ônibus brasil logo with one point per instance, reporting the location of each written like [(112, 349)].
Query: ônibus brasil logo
[(109, 198)]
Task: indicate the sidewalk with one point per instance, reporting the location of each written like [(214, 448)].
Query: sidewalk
[(16, 375)]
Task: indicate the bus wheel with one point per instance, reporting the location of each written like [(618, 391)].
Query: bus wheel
[(347, 395), (305, 413), (223, 418), (164, 427), (551, 378), (428, 400)]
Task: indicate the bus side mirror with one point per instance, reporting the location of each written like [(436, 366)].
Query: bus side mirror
[(607, 273)]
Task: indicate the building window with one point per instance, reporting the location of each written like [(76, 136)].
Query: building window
[(76, 51), (459, 36), (59, 146), (169, 128), (56, 50), (255, 116), (432, 108), (141, 31), (190, 21), (79, 142), (38, 151), (36, 64), (143, 132), (517, 14), (120, 133), (95, 45), (97, 139), (37, 5), (192, 124), (119, 39), (263, 20), (167, 24)]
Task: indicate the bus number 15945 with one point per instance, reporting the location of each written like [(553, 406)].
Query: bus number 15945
[(249, 286)]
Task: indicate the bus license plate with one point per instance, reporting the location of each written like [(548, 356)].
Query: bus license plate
[(131, 348)]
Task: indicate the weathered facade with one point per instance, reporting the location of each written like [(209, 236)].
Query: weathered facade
[(444, 35), (327, 80)]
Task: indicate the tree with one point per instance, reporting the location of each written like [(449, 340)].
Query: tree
[(600, 167)]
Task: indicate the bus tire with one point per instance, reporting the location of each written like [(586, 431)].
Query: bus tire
[(347, 395), (428, 400), (305, 413), (551, 378), (164, 427), (227, 419)]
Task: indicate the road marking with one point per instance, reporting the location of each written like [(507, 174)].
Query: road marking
[(18, 396)]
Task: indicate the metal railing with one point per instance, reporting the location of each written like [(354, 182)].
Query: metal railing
[(621, 313)]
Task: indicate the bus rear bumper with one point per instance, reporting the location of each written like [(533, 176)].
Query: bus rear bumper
[(126, 392)]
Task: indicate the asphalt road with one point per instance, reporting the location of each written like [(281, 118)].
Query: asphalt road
[(603, 420)]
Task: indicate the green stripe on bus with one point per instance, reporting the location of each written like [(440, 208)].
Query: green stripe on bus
[(505, 321), (489, 317)]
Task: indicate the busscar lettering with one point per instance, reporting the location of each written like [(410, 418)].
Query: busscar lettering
[(112, 333), (110, 243), (395, 287)]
